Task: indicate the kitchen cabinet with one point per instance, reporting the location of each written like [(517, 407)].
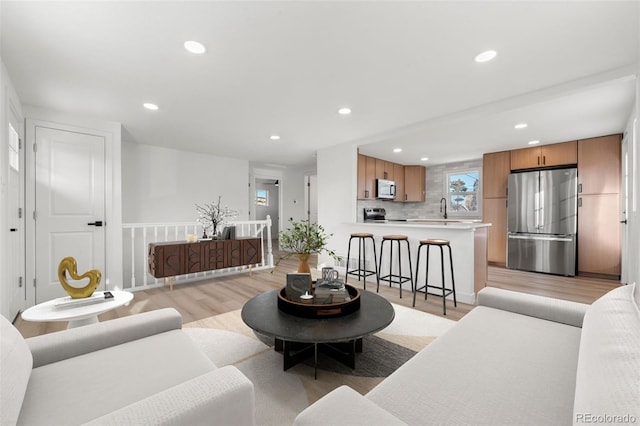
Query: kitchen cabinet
[(599, 165), (494, 211), (558, 154), (599, 232), (384, 169), (496, 168), (398, 174), (366, 177), (599, 235), (415, 186)]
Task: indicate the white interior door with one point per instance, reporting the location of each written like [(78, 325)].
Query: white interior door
[(15, 219), (70, 206), (625, 205), (312, 198)]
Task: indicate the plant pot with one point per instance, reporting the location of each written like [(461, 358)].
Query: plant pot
[(303, 266)]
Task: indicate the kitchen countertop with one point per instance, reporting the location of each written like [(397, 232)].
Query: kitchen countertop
[(430, 223)]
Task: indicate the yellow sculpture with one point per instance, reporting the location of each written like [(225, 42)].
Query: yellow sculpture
[(68, 264)]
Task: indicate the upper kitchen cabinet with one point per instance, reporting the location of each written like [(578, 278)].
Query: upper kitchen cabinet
[(398, 174), (599, 165), (366, 177), (415, 185), (495, 174), (558, 154), (384, 169)]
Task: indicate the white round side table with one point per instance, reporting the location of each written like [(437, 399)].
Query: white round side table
[(77, 316)]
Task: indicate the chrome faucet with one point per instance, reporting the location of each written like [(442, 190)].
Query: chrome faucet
[(445, 206)]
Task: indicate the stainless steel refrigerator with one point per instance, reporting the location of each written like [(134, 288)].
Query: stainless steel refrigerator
[(542, 221)]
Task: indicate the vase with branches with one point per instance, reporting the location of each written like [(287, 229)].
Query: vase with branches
[(213, 216)]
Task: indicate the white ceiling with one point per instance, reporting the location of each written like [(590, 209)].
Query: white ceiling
[(406, 70)]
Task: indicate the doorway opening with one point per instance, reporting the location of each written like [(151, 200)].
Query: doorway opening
[(266, 202)]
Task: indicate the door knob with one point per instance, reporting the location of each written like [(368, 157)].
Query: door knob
[(96, 223)]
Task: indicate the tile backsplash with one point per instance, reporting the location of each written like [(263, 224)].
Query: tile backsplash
[(435, 190)]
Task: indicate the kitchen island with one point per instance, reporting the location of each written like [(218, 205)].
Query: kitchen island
[(468, 245)]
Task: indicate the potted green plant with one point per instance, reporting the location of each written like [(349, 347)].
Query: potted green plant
[(303, 239)]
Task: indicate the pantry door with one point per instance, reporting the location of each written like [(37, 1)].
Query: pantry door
[(69, 205)]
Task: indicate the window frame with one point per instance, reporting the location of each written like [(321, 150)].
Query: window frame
[(266, 198), (478, 193)]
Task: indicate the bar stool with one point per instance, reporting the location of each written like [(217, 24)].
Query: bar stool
[(445, 291), (391, 277), (361, 271)]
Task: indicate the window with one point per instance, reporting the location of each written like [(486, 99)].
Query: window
[(463, 188), (262, 197), (14, 149)]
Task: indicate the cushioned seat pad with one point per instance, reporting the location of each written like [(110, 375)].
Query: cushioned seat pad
[(73, 391), (493, 368)]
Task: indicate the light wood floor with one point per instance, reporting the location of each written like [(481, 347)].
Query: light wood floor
[(224, 294)]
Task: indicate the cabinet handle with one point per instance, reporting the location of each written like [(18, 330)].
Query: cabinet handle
[(544, 159), (366, 193), (579, 188), (506, 204), (385, 175), (580, 202), (538, 160)]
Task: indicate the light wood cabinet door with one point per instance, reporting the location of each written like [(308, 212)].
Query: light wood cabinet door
[(495, 174), (415, 183), (599, 234), (384, 169), (398, 174), (495, 212), (557, 154), (366, 177), (525, 158), (599, 165)]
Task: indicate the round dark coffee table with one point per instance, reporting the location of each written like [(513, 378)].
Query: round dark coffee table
[(300, 338)]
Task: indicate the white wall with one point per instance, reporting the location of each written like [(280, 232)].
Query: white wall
[(163, 185), (337, 186), (8, 99), (633, 218)]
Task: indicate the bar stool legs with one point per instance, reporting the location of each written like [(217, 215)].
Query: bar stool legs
[(427, 286), (361, 271), (391, 277)]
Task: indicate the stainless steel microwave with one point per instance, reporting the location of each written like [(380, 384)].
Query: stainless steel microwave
[(385, 189)]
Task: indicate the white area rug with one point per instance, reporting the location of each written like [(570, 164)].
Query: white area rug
[(281, 395)]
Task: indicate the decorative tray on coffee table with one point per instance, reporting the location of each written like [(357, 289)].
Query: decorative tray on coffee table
[(320, 310)]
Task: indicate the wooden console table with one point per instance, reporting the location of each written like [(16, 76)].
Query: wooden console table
[(169, 259)]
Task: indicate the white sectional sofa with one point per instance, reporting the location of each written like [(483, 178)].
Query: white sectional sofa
[(516, 359), (137, 370)]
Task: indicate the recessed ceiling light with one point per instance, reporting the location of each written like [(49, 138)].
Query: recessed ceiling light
[(150, 106), (520, 126), (486, 56), (274, 137), (424, 159), (397, 149), (533, 142), (344, 111), (195, 47)]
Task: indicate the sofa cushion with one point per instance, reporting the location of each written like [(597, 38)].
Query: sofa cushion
[(345, 406), (79, 389), (494, 367), (15, 369), (608, 375)]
